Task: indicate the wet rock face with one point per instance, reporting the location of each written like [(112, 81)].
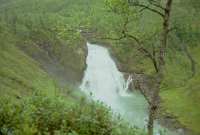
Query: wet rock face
[(65, 63), (144, 84)]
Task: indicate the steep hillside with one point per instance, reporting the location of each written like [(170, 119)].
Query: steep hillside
[(47, 36), (180, 99), (20, 74)]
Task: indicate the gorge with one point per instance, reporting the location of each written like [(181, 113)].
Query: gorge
[(105, 83)]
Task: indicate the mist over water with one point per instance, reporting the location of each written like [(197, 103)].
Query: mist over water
[(105, 83)]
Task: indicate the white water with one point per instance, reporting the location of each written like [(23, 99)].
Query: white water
[(104, 82)]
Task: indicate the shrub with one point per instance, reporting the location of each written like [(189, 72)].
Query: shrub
[(41, 115)]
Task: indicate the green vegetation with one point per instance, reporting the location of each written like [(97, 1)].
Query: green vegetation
[(36, 35), (19, 74), (57, 115), (181, 97)]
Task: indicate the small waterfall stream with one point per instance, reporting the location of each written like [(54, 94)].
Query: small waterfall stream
[(105, 83)]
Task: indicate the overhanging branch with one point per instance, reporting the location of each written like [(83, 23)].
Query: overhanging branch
[(139, 44), (154, 3), (144, 7)]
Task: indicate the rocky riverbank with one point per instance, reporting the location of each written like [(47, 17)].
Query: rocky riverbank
[(144, 84)]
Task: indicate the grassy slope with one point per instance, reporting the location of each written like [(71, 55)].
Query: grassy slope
[(183, 101), (41, 30), (19, 74)]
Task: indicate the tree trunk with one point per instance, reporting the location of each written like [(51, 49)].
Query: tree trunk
[(161, 65), (154, 105), (151, 122)]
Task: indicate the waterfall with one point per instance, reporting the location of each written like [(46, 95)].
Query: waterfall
[(102, 77), (128, 82), (104, 82)]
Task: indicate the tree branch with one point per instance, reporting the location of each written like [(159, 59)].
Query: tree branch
[(113, 38), (154, 3), (148, 8), (140, 44)]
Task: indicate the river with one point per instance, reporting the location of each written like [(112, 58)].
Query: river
[(107, 84)]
